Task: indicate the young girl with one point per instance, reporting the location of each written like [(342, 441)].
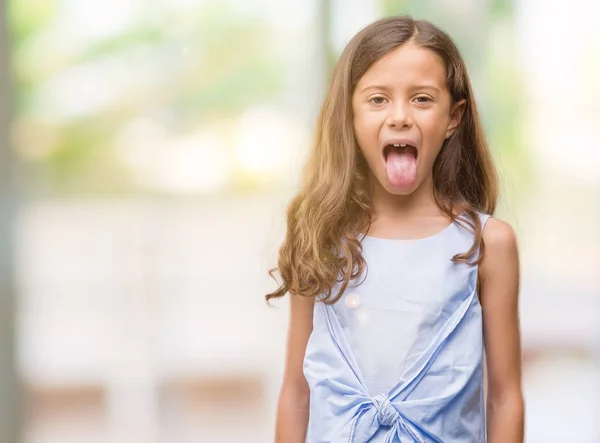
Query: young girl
[(397, 274)]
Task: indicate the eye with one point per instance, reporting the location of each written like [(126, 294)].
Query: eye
[(377, 100), (423, 99)]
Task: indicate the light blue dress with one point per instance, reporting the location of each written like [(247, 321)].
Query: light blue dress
[(399, 358)]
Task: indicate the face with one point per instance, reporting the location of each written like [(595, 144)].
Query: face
[(402, 113)]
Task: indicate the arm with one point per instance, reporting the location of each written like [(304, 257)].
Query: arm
[(499, 289), (292, 410)]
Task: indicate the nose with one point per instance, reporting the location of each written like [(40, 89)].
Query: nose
[(399, 116)]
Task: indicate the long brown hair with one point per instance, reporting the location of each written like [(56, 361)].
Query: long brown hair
[(333, 207)]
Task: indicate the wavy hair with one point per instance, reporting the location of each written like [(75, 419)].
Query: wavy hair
[(334, 207)]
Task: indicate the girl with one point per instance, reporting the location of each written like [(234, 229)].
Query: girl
[(397, 273)]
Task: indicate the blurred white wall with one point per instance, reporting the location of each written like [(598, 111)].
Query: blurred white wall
[(157, 309)]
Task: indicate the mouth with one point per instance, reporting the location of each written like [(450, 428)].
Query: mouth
[(400, 147), (400, 162)]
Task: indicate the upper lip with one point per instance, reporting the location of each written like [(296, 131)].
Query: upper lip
[(400, 141)]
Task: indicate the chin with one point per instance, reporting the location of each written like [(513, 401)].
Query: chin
[(396, 190), (399, 190)]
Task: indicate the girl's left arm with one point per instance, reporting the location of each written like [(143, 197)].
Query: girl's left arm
[(499, 295)]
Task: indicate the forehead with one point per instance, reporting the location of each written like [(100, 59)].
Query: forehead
[(404, 66)]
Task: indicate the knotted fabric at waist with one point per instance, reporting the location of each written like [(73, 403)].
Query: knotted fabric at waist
[(388, 415)]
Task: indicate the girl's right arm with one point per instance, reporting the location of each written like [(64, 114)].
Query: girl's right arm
[(293, 406)]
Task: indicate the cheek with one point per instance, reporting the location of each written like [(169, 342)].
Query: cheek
[(366, 129), (434, 131), (361, 131)]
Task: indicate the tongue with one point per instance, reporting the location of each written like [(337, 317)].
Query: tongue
[(401, 167)]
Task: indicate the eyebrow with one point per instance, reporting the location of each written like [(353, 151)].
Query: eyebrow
[(386, 88)]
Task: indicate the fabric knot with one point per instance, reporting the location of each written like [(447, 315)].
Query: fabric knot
[(386, 413)]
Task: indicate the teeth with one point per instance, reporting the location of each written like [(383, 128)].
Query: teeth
[(396, 145)]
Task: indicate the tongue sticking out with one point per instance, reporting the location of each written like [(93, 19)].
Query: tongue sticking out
[(401, 167)]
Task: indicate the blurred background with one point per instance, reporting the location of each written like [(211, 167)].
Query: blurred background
[(149, 148)]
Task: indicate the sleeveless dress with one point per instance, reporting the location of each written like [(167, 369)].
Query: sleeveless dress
[(399, 358)]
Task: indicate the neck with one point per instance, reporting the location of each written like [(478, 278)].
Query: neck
[(418, 203)]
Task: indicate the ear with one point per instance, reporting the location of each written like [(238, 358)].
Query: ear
[(456, 114)]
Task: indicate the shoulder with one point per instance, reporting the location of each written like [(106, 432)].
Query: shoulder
[(498, 234), (501, 250)]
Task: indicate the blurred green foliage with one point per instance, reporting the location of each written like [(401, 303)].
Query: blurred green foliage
[(205, 64)]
